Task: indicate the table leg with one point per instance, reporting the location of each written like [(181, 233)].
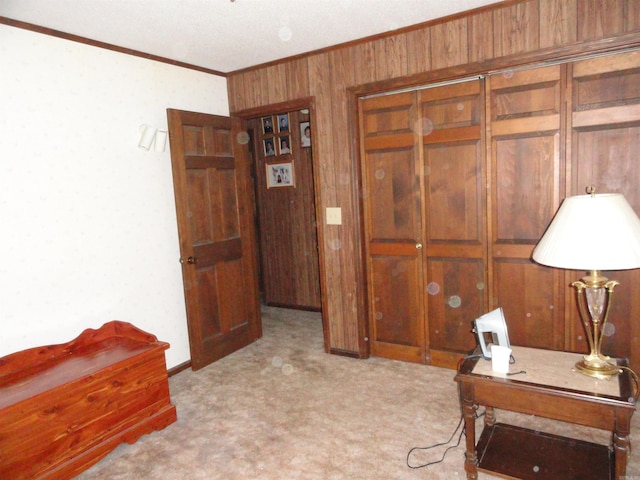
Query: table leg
[(622, 445), (469, 413), (489, 416)]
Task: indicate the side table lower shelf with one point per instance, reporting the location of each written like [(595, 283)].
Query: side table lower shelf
[(520, 453)]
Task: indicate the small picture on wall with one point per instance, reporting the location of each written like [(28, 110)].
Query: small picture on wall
[(283, 122), (280, 175), (305, 134), (269, 147), (267, 125), (284, 146)]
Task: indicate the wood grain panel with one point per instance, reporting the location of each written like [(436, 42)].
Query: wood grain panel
[(320, 88), (364, 58), (391, 57), (456, 297), (449, 43), (530, 318), (557, 22), (344, 146), (278, 88), (600, 18), (418, 50), (516, 28), (297, 75), (235, 93), (480, 36)]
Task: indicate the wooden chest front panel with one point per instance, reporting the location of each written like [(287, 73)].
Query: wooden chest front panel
[(44, 432)]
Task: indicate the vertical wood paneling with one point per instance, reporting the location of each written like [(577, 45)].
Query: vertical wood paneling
[(278, 90), (418, 50), (256, 87), (449, 43), (391, 57), (480, 36), (557, 22), (516, 28), (504, 30), (320, 88), (235, 92), (632, 15), (343, 76), (600, 18), (297, 72), (363, 55)]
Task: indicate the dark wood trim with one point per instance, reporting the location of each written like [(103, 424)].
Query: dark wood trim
[(179, 368), (107, 46), (539, 58), (364, 345), (288, 106), (378, 36)]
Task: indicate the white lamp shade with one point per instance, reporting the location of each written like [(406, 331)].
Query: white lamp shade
[(592, 232)]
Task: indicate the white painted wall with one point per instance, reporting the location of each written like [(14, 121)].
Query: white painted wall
[(88, 230)]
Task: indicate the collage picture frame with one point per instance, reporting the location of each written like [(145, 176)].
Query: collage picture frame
[(280, 175)]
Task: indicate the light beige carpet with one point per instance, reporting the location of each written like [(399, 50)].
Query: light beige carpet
[(281, 408)]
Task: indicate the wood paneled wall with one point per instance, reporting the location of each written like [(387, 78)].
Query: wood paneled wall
[(507, 34)]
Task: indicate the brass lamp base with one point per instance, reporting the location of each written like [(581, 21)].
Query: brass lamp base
[(597, 366)]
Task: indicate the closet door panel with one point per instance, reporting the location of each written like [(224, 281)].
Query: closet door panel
[(455, 231), (527, 178), (529, 296), (456, 291), (395, 289), (526, 187), (391, 175)]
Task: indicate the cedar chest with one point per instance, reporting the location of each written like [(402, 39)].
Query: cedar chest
[(64, 407)]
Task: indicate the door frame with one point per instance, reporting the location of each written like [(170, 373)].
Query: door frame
[(299, 104)]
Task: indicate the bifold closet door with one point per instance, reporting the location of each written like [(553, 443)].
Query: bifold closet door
[(524, 112), (452, 136), (424, 195), (391, 177)]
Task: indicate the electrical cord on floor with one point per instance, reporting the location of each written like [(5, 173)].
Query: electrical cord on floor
[(451, 447)]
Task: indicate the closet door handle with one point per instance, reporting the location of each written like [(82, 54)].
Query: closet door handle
[(190, 260), (419, 246)]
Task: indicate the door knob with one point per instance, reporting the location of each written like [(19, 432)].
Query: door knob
[(418, 246), (190, 260)]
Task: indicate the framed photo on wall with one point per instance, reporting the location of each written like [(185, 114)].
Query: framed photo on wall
[(280, 175), (283, 122), (269, 147), (267, 125), (305, 134), (284, 145)]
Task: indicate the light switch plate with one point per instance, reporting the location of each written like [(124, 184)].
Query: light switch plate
[(334, 216)]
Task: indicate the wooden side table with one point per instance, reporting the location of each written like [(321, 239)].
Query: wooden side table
[(551, 389)]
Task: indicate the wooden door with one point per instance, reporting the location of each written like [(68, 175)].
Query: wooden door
[(527, 184), (214, 206), (454, 198), (392, 177), (604, 121)]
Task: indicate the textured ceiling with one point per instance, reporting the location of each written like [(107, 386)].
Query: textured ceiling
[(228, 35)]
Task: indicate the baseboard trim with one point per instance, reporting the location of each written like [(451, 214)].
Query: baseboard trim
[(178, 368)]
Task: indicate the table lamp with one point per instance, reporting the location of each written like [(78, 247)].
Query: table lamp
[(592, 232)]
